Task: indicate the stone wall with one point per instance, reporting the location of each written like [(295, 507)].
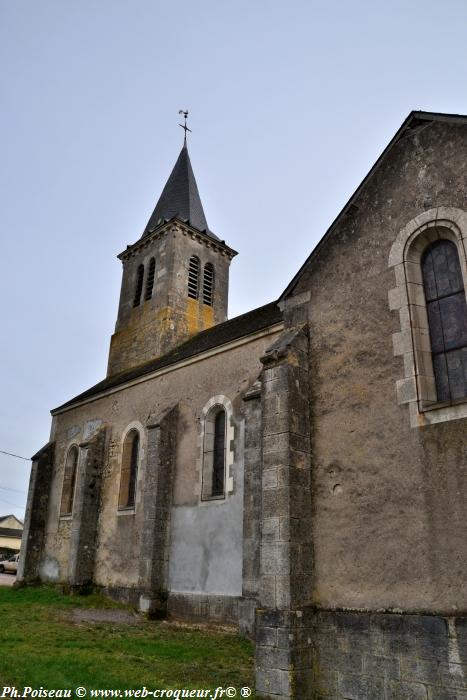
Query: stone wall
[(389, 499), (119, 533), (363, 656)]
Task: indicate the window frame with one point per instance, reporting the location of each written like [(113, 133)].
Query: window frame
[(134, 427), (206, 461), (418, 387), (69, 514)]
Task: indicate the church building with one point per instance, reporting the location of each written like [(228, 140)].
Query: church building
[(299, 471)]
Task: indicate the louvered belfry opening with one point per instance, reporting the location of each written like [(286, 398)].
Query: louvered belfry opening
[(447, 318), (129, 471), (139, 285), (208, 284), (193, 277), (69, 480), (150, 279)]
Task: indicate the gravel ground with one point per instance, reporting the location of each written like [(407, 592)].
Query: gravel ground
[(115, 616), (7, 579)]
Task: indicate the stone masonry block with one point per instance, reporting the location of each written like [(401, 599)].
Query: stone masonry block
[(283, 592), (270, 530), (267, 636), (356, 687), (419, 670), (269, 681), (275, 559), (270, 478), (446, 694), (406, 390), (267, 591), (453, 675), (275, 503), (381, 666), (406, 691), (325, 682), (273, 657)]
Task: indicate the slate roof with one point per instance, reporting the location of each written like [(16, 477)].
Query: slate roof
[(180, 198), (214, 337), (10, 532), (415, 120)]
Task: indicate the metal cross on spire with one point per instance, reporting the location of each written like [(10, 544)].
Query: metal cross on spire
[(184, 126)]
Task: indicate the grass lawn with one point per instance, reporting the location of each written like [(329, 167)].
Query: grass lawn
[(43, 643)]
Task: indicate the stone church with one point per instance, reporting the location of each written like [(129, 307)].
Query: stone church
[(300, 470)]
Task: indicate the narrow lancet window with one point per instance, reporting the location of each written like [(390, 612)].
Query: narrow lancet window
[(150, 279), (447, 319), (208, 284), (129, 471), (218, 470), (69, 481), (193, 277), (214, 454), (139, 285)]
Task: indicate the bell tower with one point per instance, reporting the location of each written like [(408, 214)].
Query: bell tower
[(175, 277)]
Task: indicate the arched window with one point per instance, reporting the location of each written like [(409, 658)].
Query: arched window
[(129, 471), (193, 277), (214, 452), (208, 284), (69, 480), (150, 279), (447, 318), (430, 264), (139, 285)]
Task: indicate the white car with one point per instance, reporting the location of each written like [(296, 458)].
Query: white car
[(9, 565)]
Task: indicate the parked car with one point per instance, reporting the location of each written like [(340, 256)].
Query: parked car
[(9, 565)]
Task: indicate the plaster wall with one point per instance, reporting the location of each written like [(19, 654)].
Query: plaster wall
[(213, 568), (389, 500), (207, 539), (10, 543), (12, 522)]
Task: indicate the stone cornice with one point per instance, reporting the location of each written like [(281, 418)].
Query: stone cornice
[(176, 226)]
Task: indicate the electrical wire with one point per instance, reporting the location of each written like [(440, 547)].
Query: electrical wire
[(10, 454)]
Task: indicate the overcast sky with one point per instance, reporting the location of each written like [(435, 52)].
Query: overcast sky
[(290, 105)]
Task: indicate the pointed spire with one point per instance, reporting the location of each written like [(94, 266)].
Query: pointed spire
[(180, 198)]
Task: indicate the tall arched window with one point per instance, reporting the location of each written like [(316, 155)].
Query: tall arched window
[(69, 481), (129, 471), (208, 284), (139, 285), (150, 279), (214, 452), (447, 318), (193, 277)]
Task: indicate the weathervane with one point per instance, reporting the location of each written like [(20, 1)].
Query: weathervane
[(184, 126)]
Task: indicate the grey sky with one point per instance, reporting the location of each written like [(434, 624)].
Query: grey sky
[(290, 105)]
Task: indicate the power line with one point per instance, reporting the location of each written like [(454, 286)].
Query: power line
[(7, 488), (15, 505), (10, 454)]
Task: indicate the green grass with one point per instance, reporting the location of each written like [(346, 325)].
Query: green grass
[(42, 645)]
